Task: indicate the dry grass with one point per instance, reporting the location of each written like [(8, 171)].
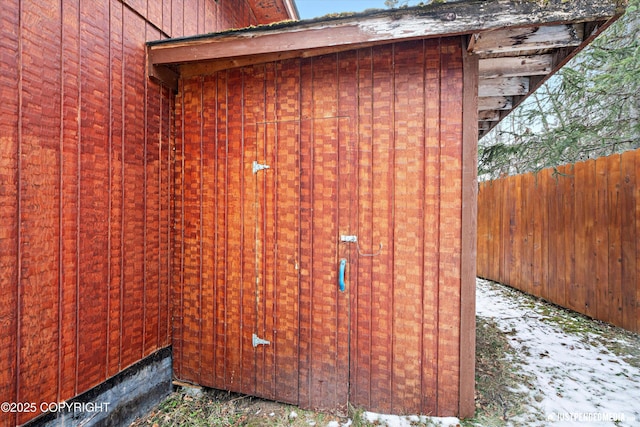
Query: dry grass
[(499, 382), (206, 407)]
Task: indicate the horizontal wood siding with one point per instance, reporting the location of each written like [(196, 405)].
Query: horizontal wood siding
[(86, 181), (380, 156), (569, 237)]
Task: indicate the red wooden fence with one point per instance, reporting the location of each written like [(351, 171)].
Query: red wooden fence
[(570, 237)]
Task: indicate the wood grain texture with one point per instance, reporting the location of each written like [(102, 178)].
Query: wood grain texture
[(469, 225), (93, 271), (408, 250), (382, 213), (10, 138), (346, 156), (451, 229), (585, 236), (39, 209), (87, 192), (431, 223)]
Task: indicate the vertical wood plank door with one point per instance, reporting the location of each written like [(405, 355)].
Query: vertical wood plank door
[(324, 308), (277, 260), (282, 291), (257, 309), (260, 303)]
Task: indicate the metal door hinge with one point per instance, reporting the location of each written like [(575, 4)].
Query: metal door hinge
[(258, 167), (258, 341)]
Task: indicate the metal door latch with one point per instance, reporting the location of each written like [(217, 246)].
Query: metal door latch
[(258, 167), (255, 341)]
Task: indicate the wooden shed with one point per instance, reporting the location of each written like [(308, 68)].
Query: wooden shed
[(133, 227), (325, 195)]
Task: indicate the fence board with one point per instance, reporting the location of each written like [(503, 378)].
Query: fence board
[(484, 241), (517, 230), (628, 239), (637, 220), (536, 234), (543, 191), (499, 227), (558, 242), (569, 236), (577, 290), (601, 234), (506, 233), (615, 250), (590, 204), (527, 235)]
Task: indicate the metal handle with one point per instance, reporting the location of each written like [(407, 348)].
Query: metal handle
[(343, 266)]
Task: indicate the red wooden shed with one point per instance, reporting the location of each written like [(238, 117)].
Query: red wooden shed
[(209, 217), (325, 192)]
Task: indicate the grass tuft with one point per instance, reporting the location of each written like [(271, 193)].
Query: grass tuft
[(500, 395)]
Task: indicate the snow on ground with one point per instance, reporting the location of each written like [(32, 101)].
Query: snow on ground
[(577, 379), (410, 420)]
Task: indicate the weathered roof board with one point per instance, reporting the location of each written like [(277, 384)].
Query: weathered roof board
[(519, 43)]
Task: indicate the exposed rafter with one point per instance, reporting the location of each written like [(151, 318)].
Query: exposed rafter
[(516, 66), (519, 43), (516, 40)]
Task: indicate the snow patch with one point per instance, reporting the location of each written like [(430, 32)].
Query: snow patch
[(410, 420), (578, 381)]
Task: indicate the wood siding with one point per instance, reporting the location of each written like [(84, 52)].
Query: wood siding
[(569, 237), (85, 175), (367, 143)]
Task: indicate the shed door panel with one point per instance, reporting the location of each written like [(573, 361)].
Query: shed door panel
[(299, 307), (271, 261), (238, 307), (262, 285), (277, 260)]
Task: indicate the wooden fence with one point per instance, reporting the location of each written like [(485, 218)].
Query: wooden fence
[(569, 236)]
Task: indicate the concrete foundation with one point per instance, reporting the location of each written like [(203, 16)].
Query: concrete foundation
[(117, 401)]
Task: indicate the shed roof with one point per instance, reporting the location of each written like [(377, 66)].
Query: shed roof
[(520, 43)]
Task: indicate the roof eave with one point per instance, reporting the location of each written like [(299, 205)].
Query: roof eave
[(433, 20), (520, 43)]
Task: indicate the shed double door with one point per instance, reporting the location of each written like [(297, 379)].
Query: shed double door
[(282, 293)]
